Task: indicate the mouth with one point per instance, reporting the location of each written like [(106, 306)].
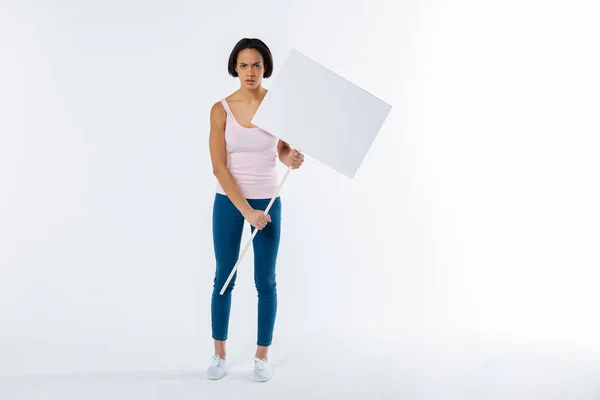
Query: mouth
[(250, 81)]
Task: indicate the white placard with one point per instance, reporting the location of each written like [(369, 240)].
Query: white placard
[(322, 114)]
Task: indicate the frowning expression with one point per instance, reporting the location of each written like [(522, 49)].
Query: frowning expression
[(250, 68)]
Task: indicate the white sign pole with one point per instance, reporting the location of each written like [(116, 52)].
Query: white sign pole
[(287, 173)]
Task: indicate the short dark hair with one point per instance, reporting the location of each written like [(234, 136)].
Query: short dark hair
[(251, 43)]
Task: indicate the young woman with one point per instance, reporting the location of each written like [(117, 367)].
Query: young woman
[(244, 160)]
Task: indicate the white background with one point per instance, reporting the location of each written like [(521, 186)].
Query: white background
[(475, 213)]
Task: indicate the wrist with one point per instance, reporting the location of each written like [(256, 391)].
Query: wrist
[(246, 210), (284, 155), (284, 160)]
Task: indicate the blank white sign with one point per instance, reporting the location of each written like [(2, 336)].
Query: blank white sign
[(321, 114)]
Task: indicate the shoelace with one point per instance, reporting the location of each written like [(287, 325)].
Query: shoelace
[(260, 364), (214, 360)]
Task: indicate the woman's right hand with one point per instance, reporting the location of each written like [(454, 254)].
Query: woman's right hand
[(257, 218)]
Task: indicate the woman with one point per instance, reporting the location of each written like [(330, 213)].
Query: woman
[(244, 160)]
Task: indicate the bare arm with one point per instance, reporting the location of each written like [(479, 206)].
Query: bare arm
[(290, 158), (218, 155), (283, 150)]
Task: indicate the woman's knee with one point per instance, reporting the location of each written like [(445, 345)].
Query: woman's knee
[(219, 282), (266, 285)]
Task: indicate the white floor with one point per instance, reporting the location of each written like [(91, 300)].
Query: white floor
[(459, 368)]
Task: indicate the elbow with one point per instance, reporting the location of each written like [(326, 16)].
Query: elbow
[(218, 171)]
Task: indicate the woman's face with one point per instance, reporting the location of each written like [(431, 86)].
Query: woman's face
[(250, 68)]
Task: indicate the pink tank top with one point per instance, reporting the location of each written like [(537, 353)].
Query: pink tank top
[(251, 156)]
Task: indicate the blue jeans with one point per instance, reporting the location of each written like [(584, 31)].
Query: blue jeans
[(227, 226)]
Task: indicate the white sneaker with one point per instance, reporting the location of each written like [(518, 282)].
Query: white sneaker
[(262, 370), (216, 369)]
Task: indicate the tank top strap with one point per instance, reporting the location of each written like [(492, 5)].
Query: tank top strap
[(227, 109)]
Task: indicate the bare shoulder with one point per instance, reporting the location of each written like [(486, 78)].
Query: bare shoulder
[(217, 112), (217, 107)]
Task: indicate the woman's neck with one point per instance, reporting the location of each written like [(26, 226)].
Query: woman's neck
[(252, 96)]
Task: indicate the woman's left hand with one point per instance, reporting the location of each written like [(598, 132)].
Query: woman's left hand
[(295, 159)]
